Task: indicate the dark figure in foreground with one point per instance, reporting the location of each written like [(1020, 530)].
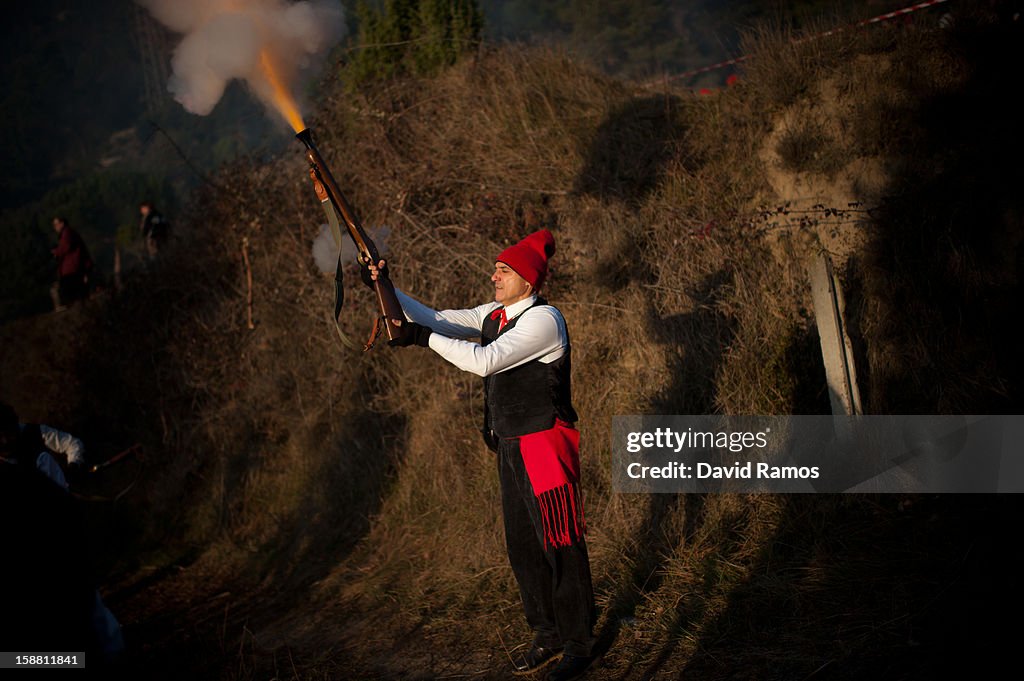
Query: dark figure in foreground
[(46, 605), (524, 357), (54, 599), (35, 445), (74, 265), (154, 228)]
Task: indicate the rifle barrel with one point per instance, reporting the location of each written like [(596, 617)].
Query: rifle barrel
[(367, 249), (389, 307)]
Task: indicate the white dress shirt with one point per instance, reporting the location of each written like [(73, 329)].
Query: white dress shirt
[(539, 334), (57, 441), (62, 443)]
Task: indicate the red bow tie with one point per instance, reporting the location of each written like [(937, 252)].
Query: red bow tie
[(500, 312)]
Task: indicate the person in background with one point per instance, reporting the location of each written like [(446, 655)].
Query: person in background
[(74, 265), (154, 228)]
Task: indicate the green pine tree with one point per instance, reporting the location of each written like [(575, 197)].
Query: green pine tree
[(418, 37)]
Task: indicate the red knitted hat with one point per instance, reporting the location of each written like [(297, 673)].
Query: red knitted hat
[(529, 257)]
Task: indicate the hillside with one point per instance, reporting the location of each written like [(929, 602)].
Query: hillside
[(310, 511)]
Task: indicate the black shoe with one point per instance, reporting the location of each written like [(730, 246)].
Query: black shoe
[(571, 667), (535, 658)]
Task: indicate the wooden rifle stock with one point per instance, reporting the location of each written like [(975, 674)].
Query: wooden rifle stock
[(328, 192)]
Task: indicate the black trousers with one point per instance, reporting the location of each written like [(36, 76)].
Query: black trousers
[(73, 287), (554, 583)]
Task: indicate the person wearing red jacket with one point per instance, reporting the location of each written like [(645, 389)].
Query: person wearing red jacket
[(73, 264)]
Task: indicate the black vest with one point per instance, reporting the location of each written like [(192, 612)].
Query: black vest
[(527, 398)]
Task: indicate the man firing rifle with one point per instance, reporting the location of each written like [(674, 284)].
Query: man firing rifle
[(524, 357)]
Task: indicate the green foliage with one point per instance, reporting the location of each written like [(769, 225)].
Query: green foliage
[(25, 262), (418, 37), (126, 235)]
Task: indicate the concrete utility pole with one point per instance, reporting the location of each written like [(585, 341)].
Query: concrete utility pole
[(836, 349)]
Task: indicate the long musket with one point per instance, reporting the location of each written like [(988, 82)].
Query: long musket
[(134, 449), (337, 207)]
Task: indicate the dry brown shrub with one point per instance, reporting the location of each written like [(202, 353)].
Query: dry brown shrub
[(360, 479)]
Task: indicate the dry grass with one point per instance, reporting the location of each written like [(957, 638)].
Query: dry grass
[(352, 491)]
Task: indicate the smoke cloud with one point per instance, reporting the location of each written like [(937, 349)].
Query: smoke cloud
[(228, 39), (325, 252)]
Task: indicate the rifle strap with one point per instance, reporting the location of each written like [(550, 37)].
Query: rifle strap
[(374, 332)]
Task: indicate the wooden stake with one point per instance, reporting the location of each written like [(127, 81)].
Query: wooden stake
[(248, 281), (117, 267)]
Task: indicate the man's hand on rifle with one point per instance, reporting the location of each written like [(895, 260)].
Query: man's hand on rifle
[(415, 334), (370, 273)]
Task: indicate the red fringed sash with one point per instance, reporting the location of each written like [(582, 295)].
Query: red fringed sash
[(552, 461)]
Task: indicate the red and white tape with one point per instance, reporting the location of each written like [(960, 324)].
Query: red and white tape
[(900, 12)]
